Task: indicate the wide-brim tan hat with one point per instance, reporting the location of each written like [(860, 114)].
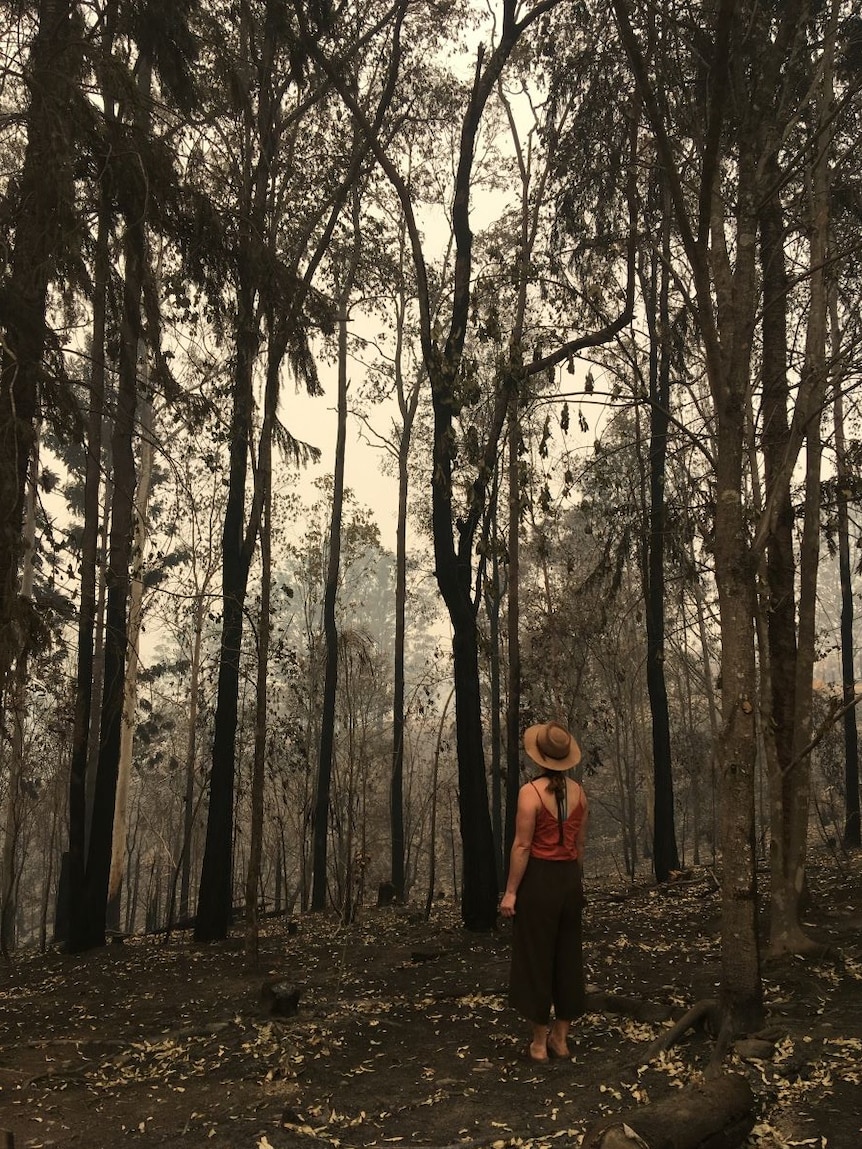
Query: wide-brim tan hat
[(551, 746)]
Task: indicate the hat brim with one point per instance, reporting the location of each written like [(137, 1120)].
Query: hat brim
[(531, 746)]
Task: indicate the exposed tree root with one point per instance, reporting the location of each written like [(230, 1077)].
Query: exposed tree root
[(722, 1045), (798, 944), (634, 1007), (705, 1013)]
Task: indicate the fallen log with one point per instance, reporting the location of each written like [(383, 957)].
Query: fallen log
[(717, 1113)]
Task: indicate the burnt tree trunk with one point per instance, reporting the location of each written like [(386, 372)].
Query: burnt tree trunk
[(852, 838), (89, 565), (330, 628), (714, 1114), (43, 224), (665, 852), (212, 920)]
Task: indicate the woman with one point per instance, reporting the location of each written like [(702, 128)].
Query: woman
[(544, 893)]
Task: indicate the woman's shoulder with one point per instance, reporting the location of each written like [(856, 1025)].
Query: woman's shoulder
[(579, 791), (530, 791)]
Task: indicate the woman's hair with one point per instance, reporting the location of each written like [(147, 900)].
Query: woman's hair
[(556, 781), (557, 785)]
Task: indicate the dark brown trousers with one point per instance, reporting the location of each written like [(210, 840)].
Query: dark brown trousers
[(547, 947)]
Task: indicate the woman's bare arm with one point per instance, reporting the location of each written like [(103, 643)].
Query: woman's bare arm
[(525, 827)]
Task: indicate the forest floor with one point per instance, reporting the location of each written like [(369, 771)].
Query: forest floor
[(403, 1036)]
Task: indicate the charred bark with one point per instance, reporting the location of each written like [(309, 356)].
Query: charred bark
[(44, 219), (665, 852), (714, 1114)]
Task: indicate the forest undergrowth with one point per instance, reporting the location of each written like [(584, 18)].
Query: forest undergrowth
[(403, 1035)]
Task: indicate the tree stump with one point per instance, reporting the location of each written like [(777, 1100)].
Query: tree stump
[(386, 894), (714, 1114), (281, 998)]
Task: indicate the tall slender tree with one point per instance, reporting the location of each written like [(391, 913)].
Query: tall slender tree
[(345, 278), (665, 853), (852, 835), (43, 207)]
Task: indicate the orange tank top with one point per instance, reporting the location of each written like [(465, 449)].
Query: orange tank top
[(546, 836)]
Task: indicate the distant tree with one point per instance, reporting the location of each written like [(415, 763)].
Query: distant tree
[(345, 275), (401, 376), (202, 495), (408, 398), (306, 564), (85, 729)]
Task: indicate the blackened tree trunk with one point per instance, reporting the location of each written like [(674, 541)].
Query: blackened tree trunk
[(239, 535), (454, 577), (12, 862), (98, 636), (44, 220), (396, 785), (513, 611), (790, 788), (330, 630), (212, 919), (787, 933), (89, 568), (851, 837), (779, 708), (665, 853), (189, 808), (264, 627)]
